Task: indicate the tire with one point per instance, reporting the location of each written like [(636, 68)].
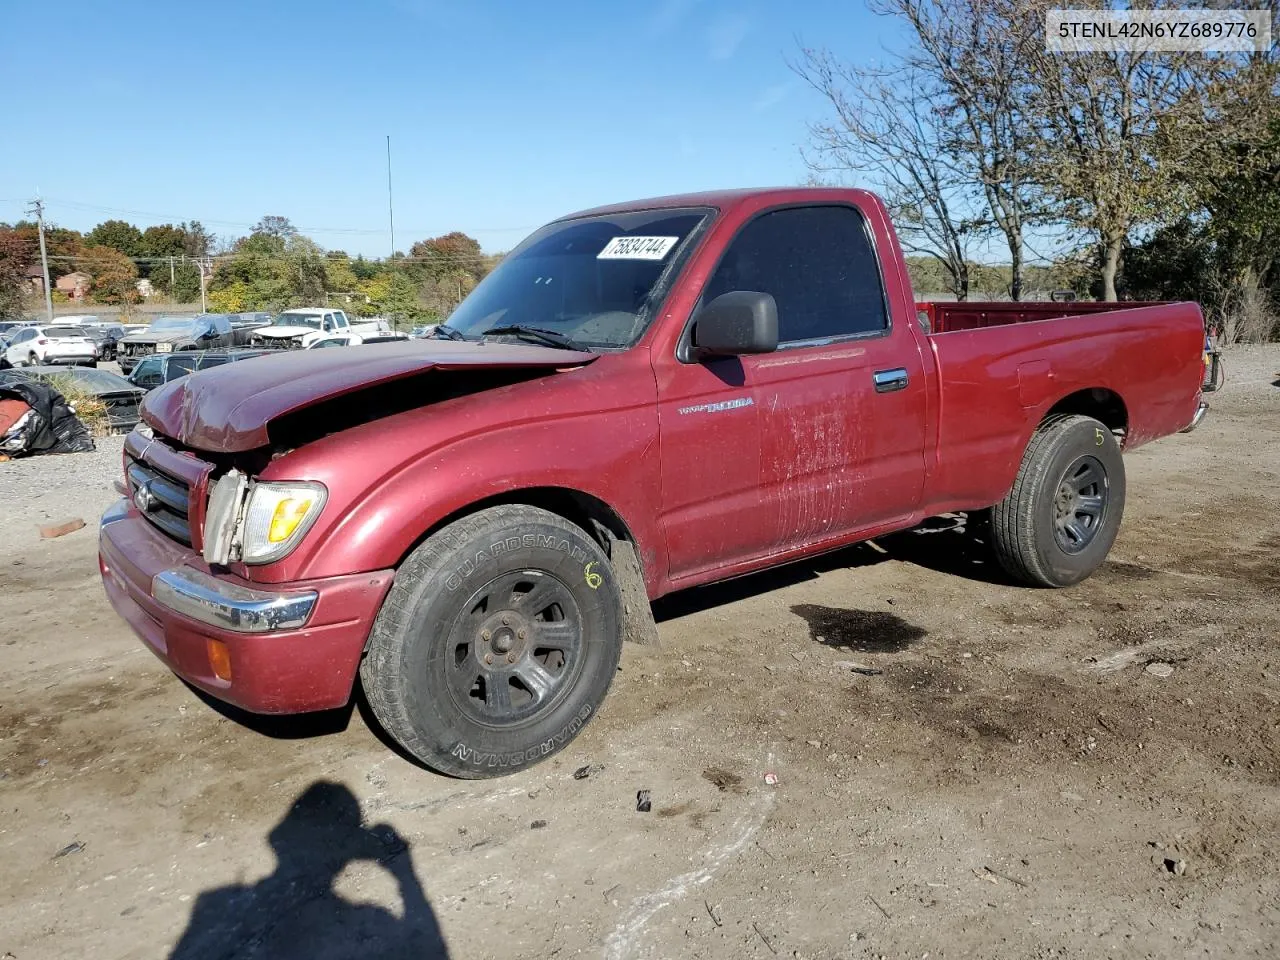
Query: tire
[(33, 360), (479, 591), (1058, 522)]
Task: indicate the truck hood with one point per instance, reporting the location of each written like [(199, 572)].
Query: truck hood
[(228, 409), (284, 333), (185, 336)]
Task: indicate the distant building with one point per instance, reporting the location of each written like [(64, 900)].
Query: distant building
[(33, 277), (75, 285), (144, 288)]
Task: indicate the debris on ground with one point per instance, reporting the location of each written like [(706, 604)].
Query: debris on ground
[(1175, 866), (643, 803), (48, 426), (590, 769), (70, 848), (771, 778), (1161, 670), (856, 667), (537, 825), (722, 779), (51, 531)]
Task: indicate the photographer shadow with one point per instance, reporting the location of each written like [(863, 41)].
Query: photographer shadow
[(296, 913)]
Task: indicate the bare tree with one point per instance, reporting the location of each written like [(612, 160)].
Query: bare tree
[(1114, 132), (888, 131), (973, 52)]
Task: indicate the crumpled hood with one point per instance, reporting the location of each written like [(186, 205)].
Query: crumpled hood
[(227, 409), (284, 332)]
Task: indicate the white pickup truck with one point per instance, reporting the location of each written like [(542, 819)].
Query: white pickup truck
[(300, 327)]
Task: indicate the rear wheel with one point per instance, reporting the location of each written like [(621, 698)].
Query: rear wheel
[(1056, 526), (32, 360), (497, 642)]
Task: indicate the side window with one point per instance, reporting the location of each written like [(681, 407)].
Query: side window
[(818, 264), (24, 336), (340, 320), (327, 323), (207, 362), (179, 367)]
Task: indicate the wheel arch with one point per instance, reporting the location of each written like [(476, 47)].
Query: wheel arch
[(598, 518), (1101, 403)]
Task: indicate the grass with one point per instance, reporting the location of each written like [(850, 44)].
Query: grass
[(88, 407)]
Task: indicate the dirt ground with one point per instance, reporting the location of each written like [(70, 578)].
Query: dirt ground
[(1018, 782)]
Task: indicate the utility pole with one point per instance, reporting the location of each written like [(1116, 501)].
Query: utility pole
[(37, 207), (171, 280), (391, 213), (203, 308)]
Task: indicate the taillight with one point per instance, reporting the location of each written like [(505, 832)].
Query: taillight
[(42, 342)]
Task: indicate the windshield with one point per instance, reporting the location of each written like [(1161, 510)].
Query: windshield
[(171, 324), (62, 333), (593, 279), (297, 320)]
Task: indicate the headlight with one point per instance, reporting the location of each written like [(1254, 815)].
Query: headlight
[(277, 517), (164, 348)]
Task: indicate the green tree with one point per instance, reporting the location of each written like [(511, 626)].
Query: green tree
[(274, 226), (118, 235)]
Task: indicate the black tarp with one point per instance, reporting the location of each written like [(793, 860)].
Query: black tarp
[(51, 427)]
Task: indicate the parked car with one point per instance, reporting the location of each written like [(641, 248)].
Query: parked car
[(168, 334), (354, 339), (77, 319), (121, 398), (422, 330), (298, 329), (50, 345), (151, 372), (106, 338), (639, 399)]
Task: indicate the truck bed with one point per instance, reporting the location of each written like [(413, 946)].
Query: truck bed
[(947, 317), (996, 385)]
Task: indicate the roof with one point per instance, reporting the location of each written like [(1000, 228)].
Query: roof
[(310, 311), (720, 199)]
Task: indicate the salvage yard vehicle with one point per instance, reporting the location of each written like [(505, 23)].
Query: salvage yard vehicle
[(161, 368), (169, 334), (120, 397), (299, 328), (639, 399), (51, 345)]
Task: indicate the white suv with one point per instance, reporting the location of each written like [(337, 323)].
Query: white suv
[(41, 345)]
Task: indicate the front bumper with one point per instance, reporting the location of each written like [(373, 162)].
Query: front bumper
[(1201, 410), (290, 649)]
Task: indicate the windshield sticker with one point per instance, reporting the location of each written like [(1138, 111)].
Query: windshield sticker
[(637, 248)]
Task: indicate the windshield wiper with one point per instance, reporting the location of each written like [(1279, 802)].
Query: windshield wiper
[(446, 332), (537, 335)]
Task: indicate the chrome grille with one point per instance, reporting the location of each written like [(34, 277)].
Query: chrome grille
[(166, 501)]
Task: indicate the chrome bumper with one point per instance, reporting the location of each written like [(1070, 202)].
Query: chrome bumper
[(1195, 421), (227, 606)]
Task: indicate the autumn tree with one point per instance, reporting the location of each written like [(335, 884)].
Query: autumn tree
[(115, 277), (16, 255)]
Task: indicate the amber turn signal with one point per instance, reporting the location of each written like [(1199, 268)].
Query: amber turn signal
[(219, 659)]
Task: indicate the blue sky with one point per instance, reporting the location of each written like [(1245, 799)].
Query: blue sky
[(502, 115)]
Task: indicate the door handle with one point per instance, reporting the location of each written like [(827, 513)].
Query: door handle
[(887, 381)]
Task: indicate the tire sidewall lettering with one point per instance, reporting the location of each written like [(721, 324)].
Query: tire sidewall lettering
[(485, 758), (487, 555)]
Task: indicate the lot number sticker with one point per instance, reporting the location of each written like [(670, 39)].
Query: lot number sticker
[(637, 248)]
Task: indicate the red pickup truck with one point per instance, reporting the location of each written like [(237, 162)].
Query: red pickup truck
[(639, 399)]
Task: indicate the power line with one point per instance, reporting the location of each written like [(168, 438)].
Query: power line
[(170, 218)]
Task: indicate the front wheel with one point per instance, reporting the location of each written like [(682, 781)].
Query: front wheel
[(497, 642), (1056, 526)]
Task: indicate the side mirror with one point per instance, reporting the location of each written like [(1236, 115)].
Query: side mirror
[(736, 323)]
